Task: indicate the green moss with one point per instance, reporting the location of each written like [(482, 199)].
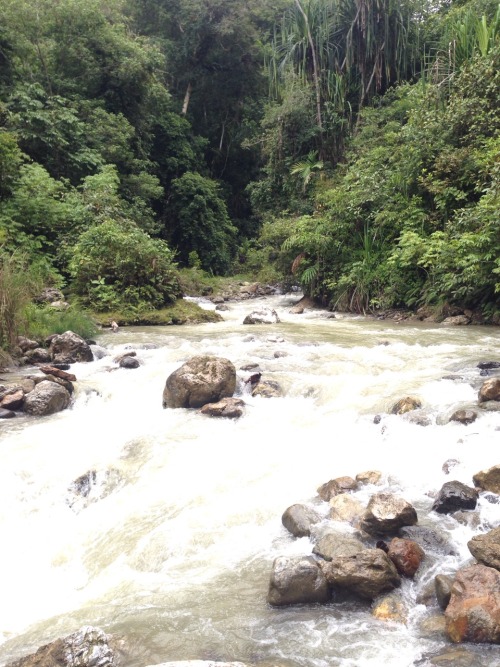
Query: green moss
[(181, 312)]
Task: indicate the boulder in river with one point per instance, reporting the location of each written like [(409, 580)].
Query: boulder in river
[(267, 389), (406, 404), (473, 613), (202, 379), (345, 507), (429, 539), (406, 555), (46, 399), (486, 548), (87, 647), (69, 348), (230, 408), (262, 316), (490, 390), (443, 584), (334, 543), (367, 574), (455, 496), (488, 480), (297, 580), (298, 520), (386, 514)]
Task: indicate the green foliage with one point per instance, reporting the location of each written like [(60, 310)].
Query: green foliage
[(200, 223), (40, 322), (119, 266), (18, 284)]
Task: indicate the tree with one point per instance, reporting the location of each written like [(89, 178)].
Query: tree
[(200, 223)]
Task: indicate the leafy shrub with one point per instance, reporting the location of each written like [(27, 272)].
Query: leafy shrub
[(41, 322), (119, 266)]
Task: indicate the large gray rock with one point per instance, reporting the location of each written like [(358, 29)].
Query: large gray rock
[(367, 574), (88, 647), (262, 316), (486, 548), (297, 580), (333, 544), (69, 348), (455, 496), (473, 613), (430, 540), (46, 399), (299, 519), (386, 514), (202, 379)]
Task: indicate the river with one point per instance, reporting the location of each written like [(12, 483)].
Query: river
[(173, 548)]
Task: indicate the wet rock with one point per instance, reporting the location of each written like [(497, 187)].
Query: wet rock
[(442, 585), (469, 518), (486, 548), (58, 373), (386, 514), (448, 465), (231, 408), (369, 477), (120, 357), (490, 390), (13, 400), (129, 362), (346, 484), (488, 365), (390, 608), (457, 320), (333, 544), (25, 344), (298, 520), (6, 414), (46, 399), (88, 647), (222, 307), (430, 540), (69, 348), (488, 480), (297, 580), (367, 574), (279, 354), (93, 486), (406, 556), (406, 404), (262, 316), (328, 490), (267, 389), (346, 508), (455, 496), (432, 627), (63, 383), (473, 613), (491, 406), (38, 356), (453, 658), (202, 379), (464, 416)]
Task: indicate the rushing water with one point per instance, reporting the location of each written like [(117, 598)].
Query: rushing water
[(175, 553)]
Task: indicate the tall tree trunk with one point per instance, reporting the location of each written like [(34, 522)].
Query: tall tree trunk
[(187, 97)]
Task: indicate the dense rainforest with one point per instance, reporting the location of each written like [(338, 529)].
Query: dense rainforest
[(349, 146)]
